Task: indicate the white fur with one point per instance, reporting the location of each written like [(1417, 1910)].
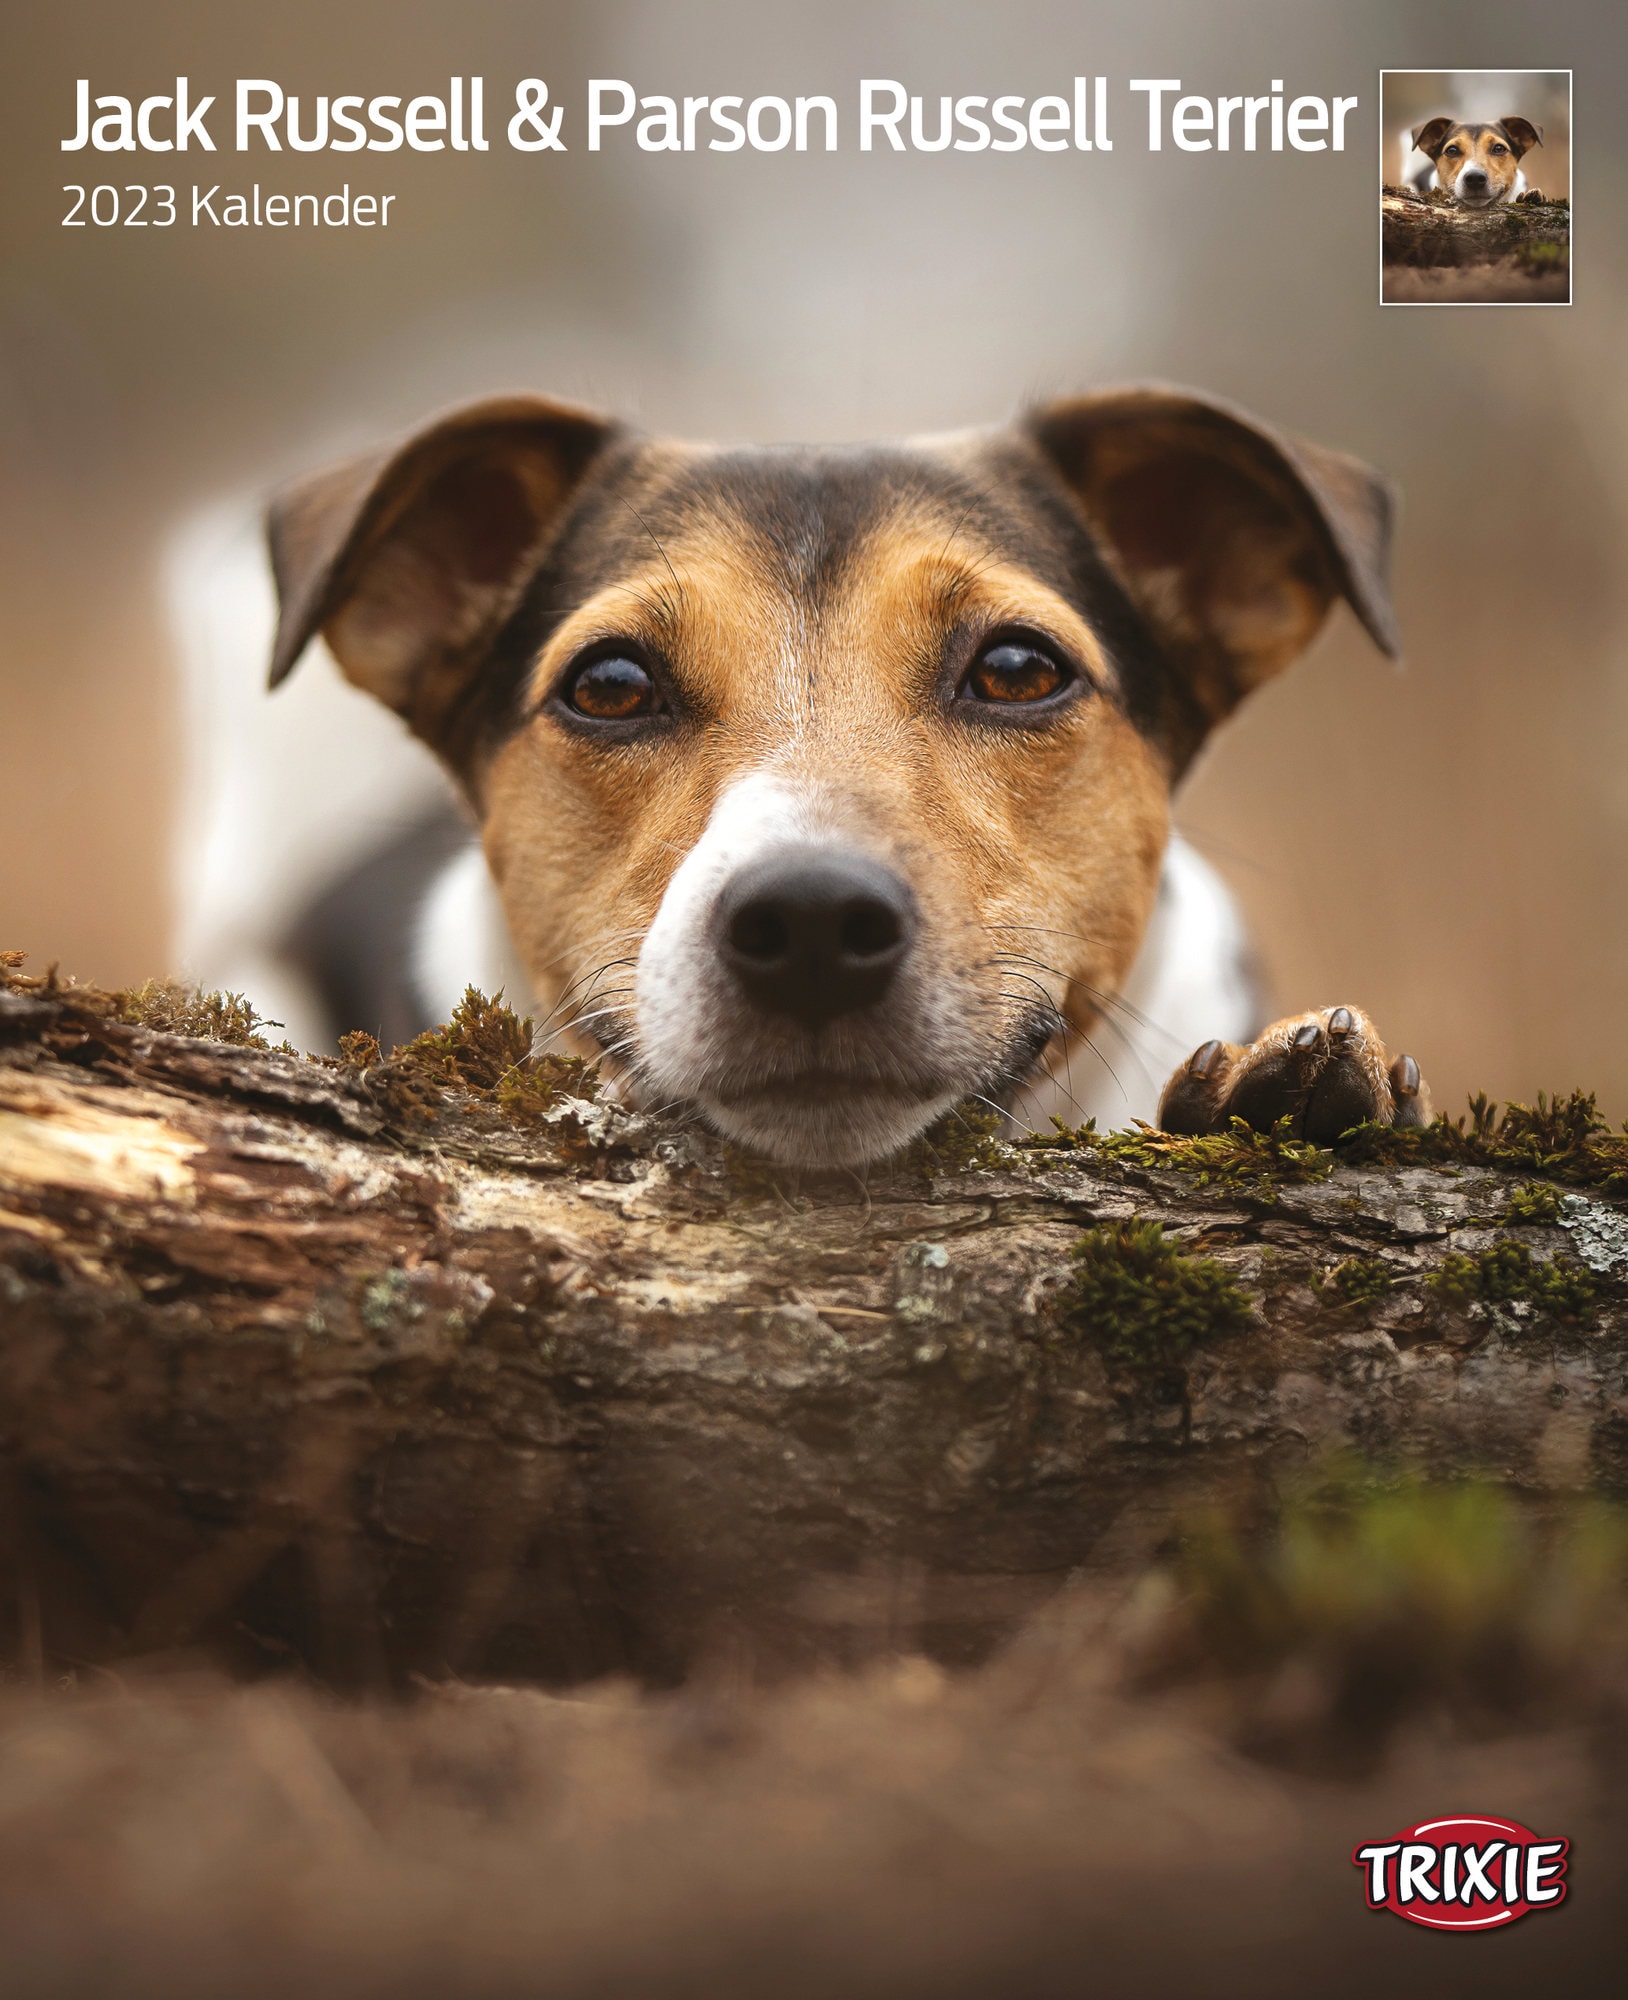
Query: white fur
[(1191, 981), (697, 1042), (281, 794), (678, 977), (462, 939)]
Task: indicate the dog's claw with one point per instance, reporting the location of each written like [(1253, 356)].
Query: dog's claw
[(1325, 1072)]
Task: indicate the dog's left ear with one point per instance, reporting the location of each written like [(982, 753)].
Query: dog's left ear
[(408, 560), (1522, 134), (1232, 538)]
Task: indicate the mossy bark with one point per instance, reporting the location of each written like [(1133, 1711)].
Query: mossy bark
[(325, 1364), (1430, 229), (1509, 252)]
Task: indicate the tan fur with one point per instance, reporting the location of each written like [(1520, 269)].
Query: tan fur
[(1494, 156), (1012, 842)]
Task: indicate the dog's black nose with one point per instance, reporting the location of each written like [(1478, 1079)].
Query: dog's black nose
[(815, 933), (1472, 177)]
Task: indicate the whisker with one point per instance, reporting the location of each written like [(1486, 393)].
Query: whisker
[(551, 1027), (574, 989), (1004, 1110), (581, 1022), (643, 523), (1099, 994)]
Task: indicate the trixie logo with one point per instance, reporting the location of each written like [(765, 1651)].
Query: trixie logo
[(1464, 1874)]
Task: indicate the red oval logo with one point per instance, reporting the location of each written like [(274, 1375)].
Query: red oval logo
[(1468, 1873)]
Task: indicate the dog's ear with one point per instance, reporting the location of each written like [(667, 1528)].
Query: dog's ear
[(1232, 538), (1432, 136), (1522, 134), (406, 560)]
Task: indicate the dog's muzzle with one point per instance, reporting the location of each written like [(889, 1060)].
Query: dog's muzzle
[(812, 934), (789, 987)]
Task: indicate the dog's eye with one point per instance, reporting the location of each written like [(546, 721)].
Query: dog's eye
[(1012, 670), (1452, 152), (1500, 149), (611, 689)]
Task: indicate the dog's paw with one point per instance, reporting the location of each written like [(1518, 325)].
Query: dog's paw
[(1326, 1071), (1531, 194)]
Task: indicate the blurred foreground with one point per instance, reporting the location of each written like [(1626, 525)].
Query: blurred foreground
[(1150, 1790)]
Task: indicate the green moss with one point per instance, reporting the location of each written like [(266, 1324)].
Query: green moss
[(966, 1136), (485, 1050), (1536, 1202), (167, 1006), (1239, 1157), (176, 1009), (1146, 1303), (386, 1300), (1404, 1588), (1507, 1270), (1356, 1281), (539, 1084), (358, 1050), (1562, 1139), (475, 1050)]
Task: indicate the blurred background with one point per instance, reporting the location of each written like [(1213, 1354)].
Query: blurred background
[(1445, 845)]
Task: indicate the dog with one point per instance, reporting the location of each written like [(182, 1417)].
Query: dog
[(822, 790), (1477, 164)]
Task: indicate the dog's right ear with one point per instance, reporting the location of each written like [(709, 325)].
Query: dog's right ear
[(1432, 136), (406, 560)]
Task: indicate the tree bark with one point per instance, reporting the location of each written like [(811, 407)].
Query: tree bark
[(1432, 248), (332, 1365)]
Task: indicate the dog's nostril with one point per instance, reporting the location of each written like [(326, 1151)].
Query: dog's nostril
[(814, 933), (869, 929), (760, 933)]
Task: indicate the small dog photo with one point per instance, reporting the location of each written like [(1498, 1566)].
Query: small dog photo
[(1475, 187)]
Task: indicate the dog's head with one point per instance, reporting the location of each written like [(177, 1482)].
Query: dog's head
[(825, 788), (1477, 164)]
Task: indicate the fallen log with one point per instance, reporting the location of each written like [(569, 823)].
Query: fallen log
[(443, 1363), (1433, 248)]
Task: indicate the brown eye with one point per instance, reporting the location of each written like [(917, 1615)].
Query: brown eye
[(1452, 152), (1014, 671), (1500, 149), (612, 689)]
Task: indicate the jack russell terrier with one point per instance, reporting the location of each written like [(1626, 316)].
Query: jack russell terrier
[(1477, 164), (823, 789)]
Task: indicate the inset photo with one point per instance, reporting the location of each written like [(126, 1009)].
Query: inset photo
[(1475, 187)]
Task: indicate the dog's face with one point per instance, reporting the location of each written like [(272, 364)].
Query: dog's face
[(826, 788), (1477, 164)]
